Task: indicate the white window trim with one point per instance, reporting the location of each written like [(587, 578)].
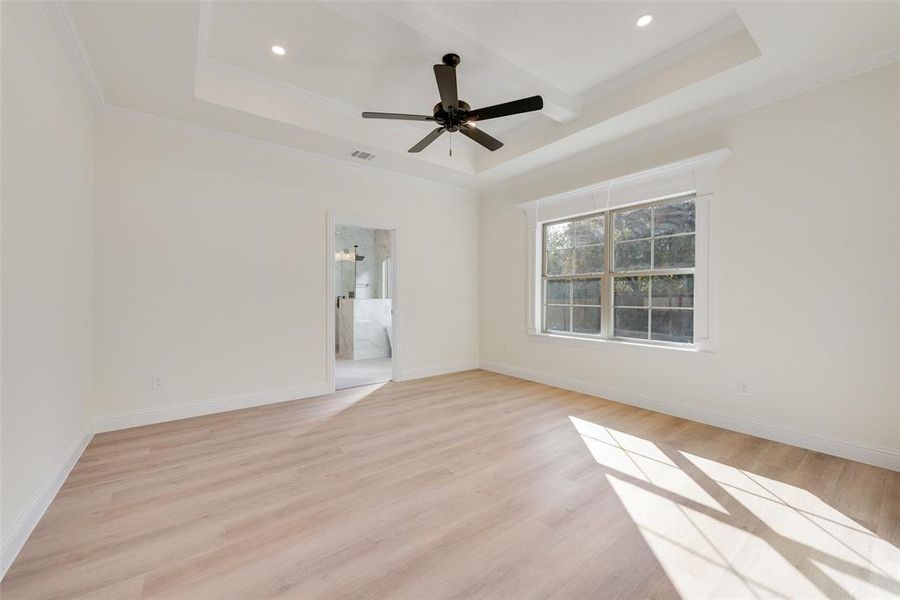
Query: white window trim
[(696, 175)]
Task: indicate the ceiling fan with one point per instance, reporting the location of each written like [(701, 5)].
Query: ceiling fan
[(452, 114)]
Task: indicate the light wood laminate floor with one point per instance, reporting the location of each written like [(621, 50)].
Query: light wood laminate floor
[(472, 485)]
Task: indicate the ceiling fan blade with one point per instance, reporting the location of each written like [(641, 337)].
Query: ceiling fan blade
[(446, 82), (507, 108), (427, 140), (396, 116), (489, 142)]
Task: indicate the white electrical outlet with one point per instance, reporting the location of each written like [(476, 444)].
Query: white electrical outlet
[(156, 382), (743, 387)]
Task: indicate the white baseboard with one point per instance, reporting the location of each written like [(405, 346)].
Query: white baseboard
[(18, 533), (881, 457), (16, 536), (439, 369), (150, 416)]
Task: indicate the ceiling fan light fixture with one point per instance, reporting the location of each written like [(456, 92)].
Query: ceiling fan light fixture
[(278, 50), (644, 20)]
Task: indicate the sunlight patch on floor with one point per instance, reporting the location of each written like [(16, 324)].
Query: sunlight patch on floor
[(343, 400), (856, 587), (641, 459), (699, 553), (719, 531)]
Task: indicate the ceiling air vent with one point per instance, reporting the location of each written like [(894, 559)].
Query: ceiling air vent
[(362, 155)]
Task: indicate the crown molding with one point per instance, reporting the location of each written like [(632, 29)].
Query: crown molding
[(708, 117), (393, 19), (680, 51), (163, 121), (833, 75), (713, 115), (59, 13), (279, 88), (827, 77), (483, 181), (63, 22), (298, 93)]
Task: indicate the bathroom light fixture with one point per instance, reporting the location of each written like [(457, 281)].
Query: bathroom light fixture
[(279, 50), (644, 20)]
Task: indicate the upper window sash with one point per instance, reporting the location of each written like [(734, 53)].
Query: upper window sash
[(575, 247), (655, 236)]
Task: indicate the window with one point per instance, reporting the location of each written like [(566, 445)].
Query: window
[(622, 274), (626, 259)]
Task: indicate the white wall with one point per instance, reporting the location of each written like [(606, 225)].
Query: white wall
[(807, 285), (47, 259), (212, 257)]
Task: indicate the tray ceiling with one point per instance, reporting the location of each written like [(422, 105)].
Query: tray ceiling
[(602, 78)]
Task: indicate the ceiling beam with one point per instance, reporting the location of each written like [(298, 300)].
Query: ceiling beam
[(399, 19)]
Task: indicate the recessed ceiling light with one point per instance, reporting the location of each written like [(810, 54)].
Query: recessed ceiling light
[(641, 22), (280, 51)]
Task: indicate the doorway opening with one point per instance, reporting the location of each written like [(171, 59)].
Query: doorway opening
[(362, 297)]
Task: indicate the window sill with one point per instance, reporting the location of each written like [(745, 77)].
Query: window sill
[(620, 345)]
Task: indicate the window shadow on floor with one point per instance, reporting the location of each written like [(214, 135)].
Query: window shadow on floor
[(723, 531)]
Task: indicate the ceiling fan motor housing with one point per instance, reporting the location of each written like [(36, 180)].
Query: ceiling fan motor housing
[(453, 119)]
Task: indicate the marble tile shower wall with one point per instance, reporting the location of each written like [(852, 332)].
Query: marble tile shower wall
[(375, 246), (362, 324)]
